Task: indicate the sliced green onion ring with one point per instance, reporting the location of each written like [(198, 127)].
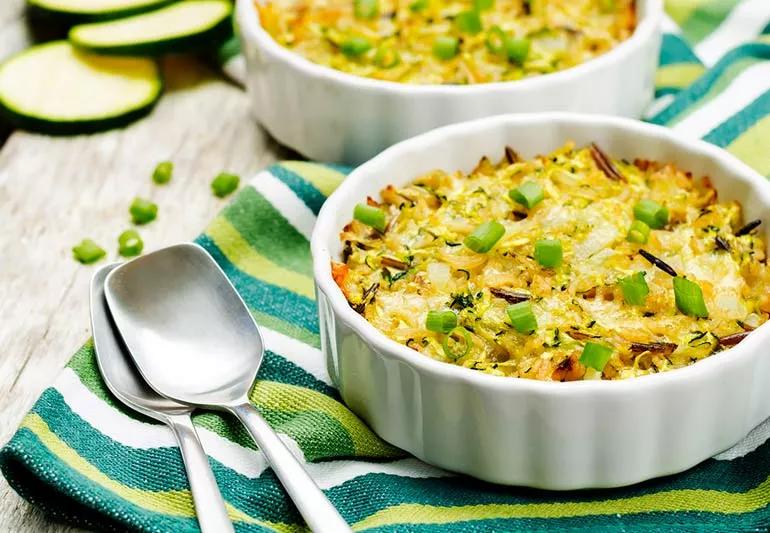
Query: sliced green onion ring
[(387, 57), (528, 194), (365, 9), (517, 50), (496, 38), (548, 252), (689, 298), (522, 317), (483, 5), (651, 213), (441, 321), (485, 236), (466, 338), (596, 355), (468, 22), (635, 289), (355, 46), (371, 216), (446, 47), (639, 232)]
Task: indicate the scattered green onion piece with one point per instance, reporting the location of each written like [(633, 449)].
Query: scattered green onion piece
[(466, 338), (651, 213), (130, 243), (143, 211), (468, 22), (386, 57), (689, 298), (496, 38), (87, 252), (528, 194), (635, 289), (446, 47), (441, 321), (355, 46), (482, 5), (365, 9), (639, 232), (224, 184), (371, 216), (596, 355), (607, 6), (418, 5), (485, 236), (522, 317), (163, 172), (548, 252), (517, 50)]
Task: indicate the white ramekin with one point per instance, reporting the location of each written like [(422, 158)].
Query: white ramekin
[(525, 432), (328, 115)]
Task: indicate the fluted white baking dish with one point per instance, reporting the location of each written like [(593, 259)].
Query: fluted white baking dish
[(330, 115), (523, 432)]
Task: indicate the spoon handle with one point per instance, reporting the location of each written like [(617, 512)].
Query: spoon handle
[(315, 508), (209, 505)]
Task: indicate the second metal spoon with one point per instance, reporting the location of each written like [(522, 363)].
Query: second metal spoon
[(128, 386)]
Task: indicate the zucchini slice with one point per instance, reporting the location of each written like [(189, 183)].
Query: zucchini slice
[(183, 26), (74, 10), (54, 88)]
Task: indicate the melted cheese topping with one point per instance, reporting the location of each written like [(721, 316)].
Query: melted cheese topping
[(419, 263), (401, 36)]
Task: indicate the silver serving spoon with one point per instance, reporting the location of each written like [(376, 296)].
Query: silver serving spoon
[(193, 339), (128, 386)]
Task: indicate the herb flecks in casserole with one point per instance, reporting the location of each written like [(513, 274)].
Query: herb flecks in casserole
[(564, 267), (453, 42)]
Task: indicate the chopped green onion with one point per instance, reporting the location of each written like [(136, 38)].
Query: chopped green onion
[(386, 57), (485, 236), (528, 194), (441, 321), (607, 6), (651, 213), (371, 216), (466, 339), (163, 172), (419, 5), (548, 252), (639, 232), (635, 289), (482, 5), (446, 47), (522, 317), (224, 184), (517, 50), (130, 243), (689, 298), (468, 22), (596, 355), (496, 39), (87, 252), (355, 46), (143, 211), (365, 9)]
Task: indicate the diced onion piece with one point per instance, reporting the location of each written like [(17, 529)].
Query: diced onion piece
[(689, 298), (522, 317), (485, 236), (439, 274), (596, 355)]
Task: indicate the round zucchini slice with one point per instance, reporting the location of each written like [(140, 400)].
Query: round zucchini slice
[(54, 88), (184, 26), (81, 10)]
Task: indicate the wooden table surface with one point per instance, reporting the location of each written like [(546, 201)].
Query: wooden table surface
[(56, 191)]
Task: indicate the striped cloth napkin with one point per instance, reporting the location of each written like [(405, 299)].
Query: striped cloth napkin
[(83, 458)]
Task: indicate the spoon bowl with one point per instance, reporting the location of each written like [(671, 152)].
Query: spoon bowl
[(193, 339)]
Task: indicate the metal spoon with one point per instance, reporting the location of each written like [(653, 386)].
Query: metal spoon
[(193, 339), (128, 386)]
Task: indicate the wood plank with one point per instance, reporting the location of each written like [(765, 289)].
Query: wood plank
[(55, 191)]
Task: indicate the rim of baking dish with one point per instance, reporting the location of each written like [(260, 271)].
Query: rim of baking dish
[(325, 227), (251, 29)]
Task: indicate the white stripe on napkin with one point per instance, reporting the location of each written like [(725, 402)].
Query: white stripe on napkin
[(742, 25), (285, 201)]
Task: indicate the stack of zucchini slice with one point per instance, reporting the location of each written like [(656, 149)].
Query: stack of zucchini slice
[(105, 75)]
